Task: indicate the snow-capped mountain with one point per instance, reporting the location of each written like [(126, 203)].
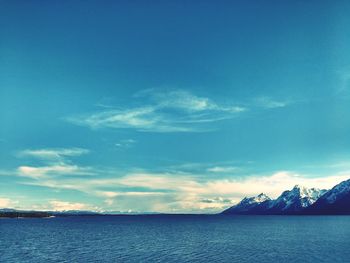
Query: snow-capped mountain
[(334, 201), (338, 192), (250, 205), (295, 200), (289, 202), (254, 200)]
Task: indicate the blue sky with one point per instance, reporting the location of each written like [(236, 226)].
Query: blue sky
[(171, 106)]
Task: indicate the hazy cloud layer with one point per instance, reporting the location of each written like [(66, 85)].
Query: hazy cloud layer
[(183, 188), (182, 192)]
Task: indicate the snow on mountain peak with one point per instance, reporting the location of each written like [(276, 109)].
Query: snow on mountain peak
[(311, 193), (338, 190), (304, 196), (261, 198), (256, 199)]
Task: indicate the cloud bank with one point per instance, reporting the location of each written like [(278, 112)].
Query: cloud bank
[(183, 188)]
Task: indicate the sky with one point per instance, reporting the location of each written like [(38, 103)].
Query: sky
[(170, 106)]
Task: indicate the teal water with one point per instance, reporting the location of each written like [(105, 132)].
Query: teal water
[(176, 238)]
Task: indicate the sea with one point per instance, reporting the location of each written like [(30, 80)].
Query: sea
[(176, 238)]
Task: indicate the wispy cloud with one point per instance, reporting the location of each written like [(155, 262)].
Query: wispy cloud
[(344, 82), (112, 196), (216, 200), (53, 170), (7, 202), (172, 111), (182, 99), (127, 143), (269, 103), (222, 169), (57, 205), (56, 163), (53, 154)]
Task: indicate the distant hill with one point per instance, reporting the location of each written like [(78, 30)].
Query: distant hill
[(12, 213)]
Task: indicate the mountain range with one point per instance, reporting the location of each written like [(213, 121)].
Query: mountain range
[(297, 201)]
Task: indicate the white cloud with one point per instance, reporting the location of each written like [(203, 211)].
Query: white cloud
[(222, 169), (181, 99), (158, 181), (53, 170), (6, 203), (142, 119), (109, 202), (111, 194), (108, 194), (53, 153), (56, 162), (57, 205), (217, 200), (127, 143), (269, 103)]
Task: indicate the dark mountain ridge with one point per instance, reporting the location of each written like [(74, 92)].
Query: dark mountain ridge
[(297, 201)]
